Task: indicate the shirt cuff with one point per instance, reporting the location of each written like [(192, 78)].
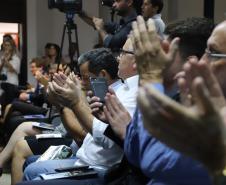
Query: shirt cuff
[(98, 130)]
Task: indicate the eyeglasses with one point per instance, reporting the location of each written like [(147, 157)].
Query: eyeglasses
[(214, 56), (120, 52)]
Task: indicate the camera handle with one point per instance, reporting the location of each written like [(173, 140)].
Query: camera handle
[(69, 26), (112, 14)]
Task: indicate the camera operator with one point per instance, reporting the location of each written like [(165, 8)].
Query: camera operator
[(115, 34)]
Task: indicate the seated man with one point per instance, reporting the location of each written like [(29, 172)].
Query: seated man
[(96, 150), (207, 113)]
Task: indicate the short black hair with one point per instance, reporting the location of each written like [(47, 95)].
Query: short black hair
[(137, 4), (158, 3), (101, 59), (193, 33)]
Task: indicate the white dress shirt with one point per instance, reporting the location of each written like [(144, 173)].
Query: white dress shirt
[(97, 149)]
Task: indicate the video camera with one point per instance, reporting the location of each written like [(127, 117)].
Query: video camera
[(108, 3), (66, 6)]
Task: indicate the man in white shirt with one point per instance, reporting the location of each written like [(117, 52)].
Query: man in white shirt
[(97, 150)]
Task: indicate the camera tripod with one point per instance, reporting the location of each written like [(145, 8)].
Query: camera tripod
[(70, 26)]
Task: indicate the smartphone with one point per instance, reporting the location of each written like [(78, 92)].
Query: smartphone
[(99, 87), (72, 168)]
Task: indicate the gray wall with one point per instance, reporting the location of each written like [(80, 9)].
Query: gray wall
[(46, 25)]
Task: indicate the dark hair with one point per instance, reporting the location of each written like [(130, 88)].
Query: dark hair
[(39, 62), (102, 59), (193, 33), (137, 4), (158, 3)]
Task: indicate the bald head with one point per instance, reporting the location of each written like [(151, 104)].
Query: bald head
[(217, 40)]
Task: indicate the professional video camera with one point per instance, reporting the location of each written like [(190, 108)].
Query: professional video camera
[(66, 6), (108, 2)]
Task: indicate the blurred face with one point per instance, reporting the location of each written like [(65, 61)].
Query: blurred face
[(126, 61), (33, 68), (85, 75), (52, 51), (148, 10), (121, 7), (7, 46), (216, 45)]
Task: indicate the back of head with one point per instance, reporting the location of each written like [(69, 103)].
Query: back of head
[(38, 61), (193, 34), (137, 4), (157, 3), (100, 59)]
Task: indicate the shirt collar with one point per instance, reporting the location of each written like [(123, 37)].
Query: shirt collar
[(132, 81), (157, 16), (116, 85)]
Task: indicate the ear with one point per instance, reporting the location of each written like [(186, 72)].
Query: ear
[(103, 73)]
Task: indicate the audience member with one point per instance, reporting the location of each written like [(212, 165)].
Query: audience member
[(206, 116), (157, 161), (152, 9)]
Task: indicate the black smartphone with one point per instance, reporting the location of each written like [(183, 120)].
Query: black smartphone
[(99, 87), (72, 168)]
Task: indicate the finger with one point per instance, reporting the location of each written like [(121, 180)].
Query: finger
[(144, 33), (203, 99), (58, 81), (109, 106), (90, 94), (118, 104), (108, 115), (115, 104), (94, 99), (57, 88), (95, 110), (136, 38), (174, 45), (188, 76), (185, 96), (210, 79), (96, 105), (194, 71), (179, 75)]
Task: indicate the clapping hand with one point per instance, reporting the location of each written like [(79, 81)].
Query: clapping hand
[(151, 59)]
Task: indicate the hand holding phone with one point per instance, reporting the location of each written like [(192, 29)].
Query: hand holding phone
[(99, 87)]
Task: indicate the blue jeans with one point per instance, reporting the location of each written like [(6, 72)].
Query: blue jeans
[(34, 169)]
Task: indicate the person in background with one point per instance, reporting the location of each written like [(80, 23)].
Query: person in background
[(152, 9), (114, 34)]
